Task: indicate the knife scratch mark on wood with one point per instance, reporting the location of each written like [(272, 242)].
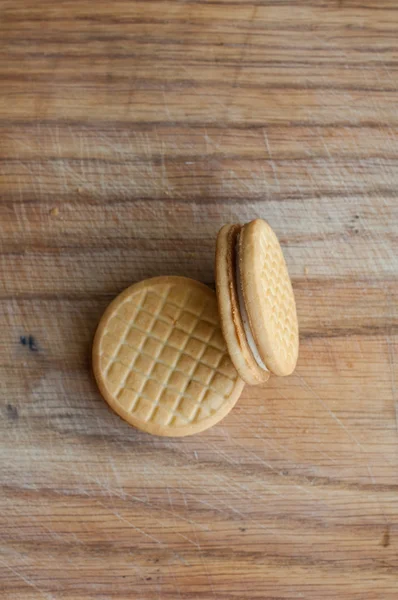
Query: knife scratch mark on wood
[(28, 581), (124, 520), (334, 416), (272, 162), (329, 411), (391, 359)]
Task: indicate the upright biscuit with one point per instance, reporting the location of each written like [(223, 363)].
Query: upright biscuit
[(269, 297), (160, 360), (256, 300)]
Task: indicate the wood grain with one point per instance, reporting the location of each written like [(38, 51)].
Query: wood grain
[(130, 131)]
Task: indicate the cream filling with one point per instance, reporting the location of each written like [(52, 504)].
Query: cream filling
[(244, 315)]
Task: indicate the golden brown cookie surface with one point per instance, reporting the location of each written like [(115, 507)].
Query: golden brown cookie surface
[(256, 301), (268, 297), (160, 360)]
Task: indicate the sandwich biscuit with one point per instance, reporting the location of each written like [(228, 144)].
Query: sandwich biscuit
[(256, 302)]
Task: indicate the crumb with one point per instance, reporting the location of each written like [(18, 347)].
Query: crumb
[(306, 270), (54, 212), (29, 341), (385, 540), (79, 190), (12, 412)]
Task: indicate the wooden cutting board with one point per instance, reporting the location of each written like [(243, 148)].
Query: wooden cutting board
[(130, 131)]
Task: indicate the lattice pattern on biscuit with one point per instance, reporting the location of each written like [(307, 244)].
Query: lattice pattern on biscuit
[(278, 295), (164, 358)]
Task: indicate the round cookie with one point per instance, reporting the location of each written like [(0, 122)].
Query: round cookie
[(256, 301), (160, 360), (228, 303)]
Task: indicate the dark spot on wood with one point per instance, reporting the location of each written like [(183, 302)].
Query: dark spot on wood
[(32, 344), (29, 341), (356, 230), (385, 540), (356, 217), (242, 529), (148, 578), (12, 412)]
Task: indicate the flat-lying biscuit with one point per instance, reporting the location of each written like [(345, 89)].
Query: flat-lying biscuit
[(256, 301), (160, 360)]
